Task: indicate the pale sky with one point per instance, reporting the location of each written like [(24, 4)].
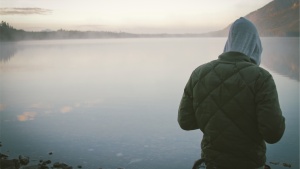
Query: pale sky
[(134, 16)]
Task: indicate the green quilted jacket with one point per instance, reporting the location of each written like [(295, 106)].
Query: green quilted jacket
[(235, 104)]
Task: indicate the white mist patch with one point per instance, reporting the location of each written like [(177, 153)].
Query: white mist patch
[(135, 160), (119, 154)]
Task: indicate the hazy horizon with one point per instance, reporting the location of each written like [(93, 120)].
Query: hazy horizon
[(178, 17)]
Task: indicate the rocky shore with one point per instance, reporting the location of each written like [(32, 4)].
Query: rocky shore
[(23, 162)]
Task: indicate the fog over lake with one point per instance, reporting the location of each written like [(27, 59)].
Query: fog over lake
[(110, 103)]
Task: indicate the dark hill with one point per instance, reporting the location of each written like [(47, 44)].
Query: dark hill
[(277, 18)]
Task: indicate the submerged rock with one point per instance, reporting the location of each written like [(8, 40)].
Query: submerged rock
[(23, 160), (274, 163), (287, 165)]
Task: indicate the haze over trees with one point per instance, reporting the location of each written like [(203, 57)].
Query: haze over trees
[(9, 33)]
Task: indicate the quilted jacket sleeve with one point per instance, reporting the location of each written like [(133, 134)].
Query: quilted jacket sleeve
[(186, 114), (271, 123)]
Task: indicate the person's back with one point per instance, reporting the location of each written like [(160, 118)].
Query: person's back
[(234, 103)]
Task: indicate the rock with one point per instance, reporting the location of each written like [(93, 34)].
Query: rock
[(79, 166), (50, 153), (274, 163), (287, 165), (43, 164), (9, 164), (23, 160), (61, 166), (3, 156), (46, 162), (32, 167), (267, 166), (56, 164), (44, 167)]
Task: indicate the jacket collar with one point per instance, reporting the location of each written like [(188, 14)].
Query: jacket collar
[(235, 57)]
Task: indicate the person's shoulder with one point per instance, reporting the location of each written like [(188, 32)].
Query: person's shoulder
[(253, 69), (264, 73), (204, 68), (263, 76), (201, 71)]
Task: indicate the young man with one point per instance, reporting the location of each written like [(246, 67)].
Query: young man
[(234, 102)]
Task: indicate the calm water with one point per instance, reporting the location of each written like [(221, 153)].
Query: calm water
[(113, 102)]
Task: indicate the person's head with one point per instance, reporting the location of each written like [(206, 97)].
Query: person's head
[(243, 37)]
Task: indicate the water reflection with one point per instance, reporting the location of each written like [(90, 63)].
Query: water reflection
[(27, 116), (41, 110), (7, 50), (112, 103), (282, 56)]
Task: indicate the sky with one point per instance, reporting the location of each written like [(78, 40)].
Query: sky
[(134, 16)]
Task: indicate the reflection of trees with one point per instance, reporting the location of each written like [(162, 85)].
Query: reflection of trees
[(7, 50), (282, 56)]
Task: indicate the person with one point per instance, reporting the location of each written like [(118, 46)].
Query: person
[(234, 102)]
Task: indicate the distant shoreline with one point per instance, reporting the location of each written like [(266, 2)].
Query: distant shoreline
[(140, 37), (9, 33)]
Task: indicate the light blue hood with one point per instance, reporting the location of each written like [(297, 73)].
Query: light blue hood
[(243, 37)]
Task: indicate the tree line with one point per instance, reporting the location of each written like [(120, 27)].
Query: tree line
[(9, 33)]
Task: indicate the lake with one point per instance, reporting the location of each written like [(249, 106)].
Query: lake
[(112, 103)]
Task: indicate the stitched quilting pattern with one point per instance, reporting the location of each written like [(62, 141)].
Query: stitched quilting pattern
[(222, 105)]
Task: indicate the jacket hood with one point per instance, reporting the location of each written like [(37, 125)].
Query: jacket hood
[(243, 37)]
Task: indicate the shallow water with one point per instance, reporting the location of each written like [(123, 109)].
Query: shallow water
[(113, 102)]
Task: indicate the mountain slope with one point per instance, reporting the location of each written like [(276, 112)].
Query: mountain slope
[(277, 18)]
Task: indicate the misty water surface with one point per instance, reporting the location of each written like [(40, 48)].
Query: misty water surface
[(113, 102)]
